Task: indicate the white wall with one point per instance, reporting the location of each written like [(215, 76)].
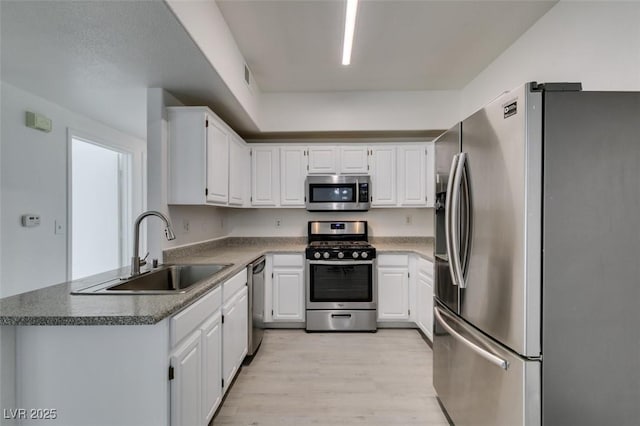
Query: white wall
[(593, 42), (205, 222), (34, 180), (293, 222), (364, 111)]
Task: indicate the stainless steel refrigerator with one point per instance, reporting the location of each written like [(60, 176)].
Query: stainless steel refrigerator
[(537, 252)]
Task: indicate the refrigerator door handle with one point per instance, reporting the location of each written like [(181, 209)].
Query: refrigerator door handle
[(454, 258), (494, 359), (448, 216), (467, 225)]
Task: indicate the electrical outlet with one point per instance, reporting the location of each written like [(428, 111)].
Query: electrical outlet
[(278, 223), (185, 226), (408, 219)]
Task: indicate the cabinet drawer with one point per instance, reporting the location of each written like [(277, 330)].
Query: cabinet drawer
[(232, 285), (393, 260), (288, 260), (188, 319)]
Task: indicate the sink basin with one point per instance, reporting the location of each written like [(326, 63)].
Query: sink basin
[(170, 279)]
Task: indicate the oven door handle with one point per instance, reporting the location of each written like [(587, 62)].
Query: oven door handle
[(341, 262)]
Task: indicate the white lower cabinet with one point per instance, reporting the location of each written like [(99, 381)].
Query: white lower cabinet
[(393, 287), (424, 290), (210, 342), (211, 339), (234, 338), (285, 288), (405, 290), (288, 294), (393, 293), (186, 386)]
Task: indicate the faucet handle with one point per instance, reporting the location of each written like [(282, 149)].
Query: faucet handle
[(143, 261)]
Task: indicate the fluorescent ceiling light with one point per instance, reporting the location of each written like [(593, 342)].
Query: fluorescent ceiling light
[(349, 28)]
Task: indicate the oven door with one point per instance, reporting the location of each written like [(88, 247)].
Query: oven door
[(341, 284)]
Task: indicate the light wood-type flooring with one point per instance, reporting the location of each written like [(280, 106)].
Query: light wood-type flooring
[(296, 378)]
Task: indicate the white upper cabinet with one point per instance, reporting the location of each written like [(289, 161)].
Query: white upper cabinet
[(199, 158), (354, 159), (187, 148), (412, 160), (239, 172), (383, 175), (293, 170), (217, 162), (430, 174), (265, 176), (323, 160)]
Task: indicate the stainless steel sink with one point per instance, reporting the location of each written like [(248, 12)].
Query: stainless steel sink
[(170, 279)]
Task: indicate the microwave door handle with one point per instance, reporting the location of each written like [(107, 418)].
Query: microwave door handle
[(357, 192), (448, 217), (493, 359), (455, 261)]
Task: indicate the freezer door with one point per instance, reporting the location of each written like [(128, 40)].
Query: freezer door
[(479, 382), (501, 289)]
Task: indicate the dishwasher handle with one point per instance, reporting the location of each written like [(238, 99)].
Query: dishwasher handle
[(258, 265)]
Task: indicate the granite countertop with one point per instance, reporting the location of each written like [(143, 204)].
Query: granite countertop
[(55, 305)]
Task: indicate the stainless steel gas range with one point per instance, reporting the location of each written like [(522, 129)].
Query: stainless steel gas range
[(341, 281)]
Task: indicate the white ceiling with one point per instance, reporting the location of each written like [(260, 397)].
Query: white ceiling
[(98, 58), (398, 44)]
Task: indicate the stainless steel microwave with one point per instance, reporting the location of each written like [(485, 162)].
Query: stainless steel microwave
[(334, 193)]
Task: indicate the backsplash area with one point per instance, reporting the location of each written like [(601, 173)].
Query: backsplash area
[(293, 222)]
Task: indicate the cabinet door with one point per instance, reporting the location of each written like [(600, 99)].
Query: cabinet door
[(430, 174), (293, 171), (217, 162), (354, 160), (186, 386), (383, 176), (234, 335), (211, 366), (425, 304), (393, 293), (411, 175), (265, 173), (239, 171), (288, 295), (322, 160)]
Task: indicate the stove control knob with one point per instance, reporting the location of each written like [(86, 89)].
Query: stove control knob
[(355, 254), (316, 255), (364, 255), (340, 255), (326, 255)]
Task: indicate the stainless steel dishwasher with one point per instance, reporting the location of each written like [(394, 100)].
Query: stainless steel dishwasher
[(255, 282)]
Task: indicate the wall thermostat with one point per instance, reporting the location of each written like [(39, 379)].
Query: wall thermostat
[(30, 220)]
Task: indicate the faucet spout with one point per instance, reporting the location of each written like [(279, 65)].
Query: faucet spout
[(168, 232)]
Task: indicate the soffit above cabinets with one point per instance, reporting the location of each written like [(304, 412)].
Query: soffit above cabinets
[(338, 138), (295, 46)]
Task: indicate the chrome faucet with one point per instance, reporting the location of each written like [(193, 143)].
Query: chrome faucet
[(168, 232)]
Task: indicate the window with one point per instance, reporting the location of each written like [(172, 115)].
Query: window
[(100, 207)]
